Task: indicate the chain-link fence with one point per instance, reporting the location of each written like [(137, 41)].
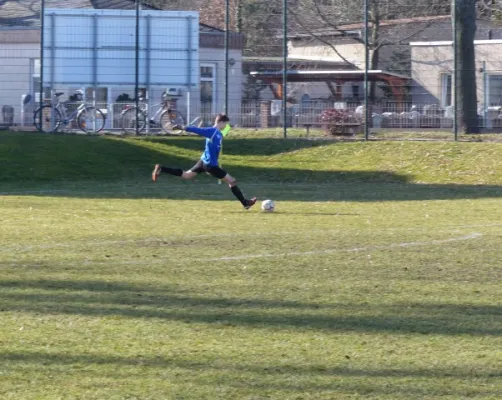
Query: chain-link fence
[(335, 67)]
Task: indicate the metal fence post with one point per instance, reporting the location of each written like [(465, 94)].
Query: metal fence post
[(485, 97), (227, 27), (455, 70), (42, 44), (53, 67), (94, 66), (147, 69), (189, 83), (137, 66), (366, 62), (285, 66)]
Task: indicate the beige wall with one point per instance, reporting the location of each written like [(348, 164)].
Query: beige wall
[(352, 51), (429, 62)]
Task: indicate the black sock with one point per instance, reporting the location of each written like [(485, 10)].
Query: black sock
[(172, 171), (237, 193)]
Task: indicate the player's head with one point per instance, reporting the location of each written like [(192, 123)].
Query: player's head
[(221, 121)]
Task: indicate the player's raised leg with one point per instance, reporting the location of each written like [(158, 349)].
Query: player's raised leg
[(232, 183), (172, 171)]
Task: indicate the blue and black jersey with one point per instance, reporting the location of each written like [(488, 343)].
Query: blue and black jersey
[(213, 144)]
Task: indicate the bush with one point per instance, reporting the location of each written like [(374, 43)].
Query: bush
[(334, 122)]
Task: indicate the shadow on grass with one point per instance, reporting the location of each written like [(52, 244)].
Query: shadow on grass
[(320, 214), (246, 147), (319, 369), (97, 298), (96, 167), (206, 189), (269, 376)]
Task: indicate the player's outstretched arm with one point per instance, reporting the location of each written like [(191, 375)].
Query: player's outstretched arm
[(206, 132)]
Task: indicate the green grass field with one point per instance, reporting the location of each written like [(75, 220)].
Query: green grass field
[(378, 277)]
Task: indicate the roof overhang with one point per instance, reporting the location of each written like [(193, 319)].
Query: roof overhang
[(328, 75)]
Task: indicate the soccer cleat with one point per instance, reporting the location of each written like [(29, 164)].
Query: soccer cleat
[(156, 172), (250, 203)]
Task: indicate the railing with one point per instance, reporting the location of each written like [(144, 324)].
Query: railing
[(383, 115), (247, 115)]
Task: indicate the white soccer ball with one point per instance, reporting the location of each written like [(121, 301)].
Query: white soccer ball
[(268, 205)]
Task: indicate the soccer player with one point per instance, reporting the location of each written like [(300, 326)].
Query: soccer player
[(209, 160)]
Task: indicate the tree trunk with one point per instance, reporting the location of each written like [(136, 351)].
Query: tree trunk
[(238, 16), (467, 105), (374, 60), (375, 52)]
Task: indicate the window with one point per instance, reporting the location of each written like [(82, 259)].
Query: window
[(494, 90), (446, 90), (208, 85), (207, 72), (35, 76), (101, 95), (35, 81), (206, 91)]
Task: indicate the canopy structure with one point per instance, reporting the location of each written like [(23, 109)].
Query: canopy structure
[(397, 83)]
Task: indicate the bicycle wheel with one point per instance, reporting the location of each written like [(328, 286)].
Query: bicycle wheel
[(91, 120), (130, 122), (45, 121), (169, 119)]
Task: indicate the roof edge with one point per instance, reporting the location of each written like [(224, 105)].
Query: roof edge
[(327, 72), (450, 43)]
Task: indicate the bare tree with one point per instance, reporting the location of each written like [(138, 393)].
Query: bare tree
[(491, 9), (258, 20)]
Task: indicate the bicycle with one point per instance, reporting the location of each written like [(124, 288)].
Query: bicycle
[(49, 117), (135, 118)]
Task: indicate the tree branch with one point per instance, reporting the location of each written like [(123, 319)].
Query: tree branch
[(322, 40), (331, 25)]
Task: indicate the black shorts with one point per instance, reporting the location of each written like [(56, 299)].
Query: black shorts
[(217, 172)]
